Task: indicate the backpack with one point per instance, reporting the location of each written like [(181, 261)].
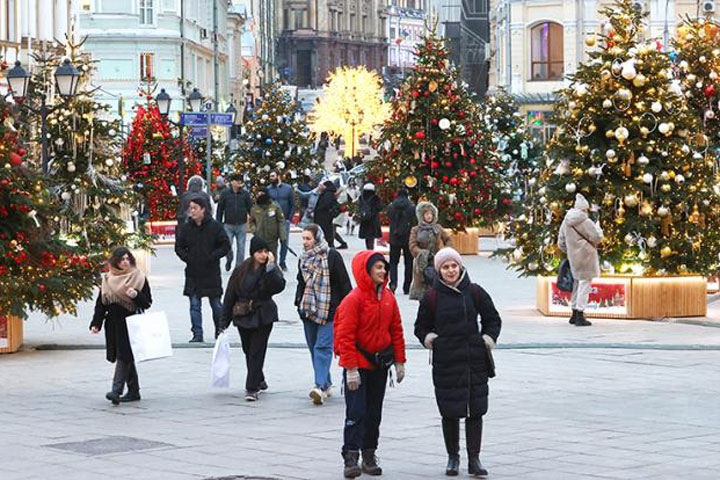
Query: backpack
[(403, 220), (366, 211)]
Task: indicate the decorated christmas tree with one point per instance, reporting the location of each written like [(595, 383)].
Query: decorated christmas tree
[(519, 156), (38, 270), (150, 158), (274, 139), (435, 145), (85, 167), (628, 142)]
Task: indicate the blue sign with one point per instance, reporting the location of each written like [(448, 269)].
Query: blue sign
[(200, 132), (224, 119), (194, 118)]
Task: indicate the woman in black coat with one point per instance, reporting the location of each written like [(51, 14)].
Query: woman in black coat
[(326, 209), (252, 286), (124, 291), (369, 212), (447, 324)]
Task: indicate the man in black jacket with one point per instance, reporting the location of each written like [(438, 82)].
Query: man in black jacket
[(201, 242), (401, 213), (326, 210), (232, 212)]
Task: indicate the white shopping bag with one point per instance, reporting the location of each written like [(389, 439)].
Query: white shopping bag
[(220, 368), (149, 336)]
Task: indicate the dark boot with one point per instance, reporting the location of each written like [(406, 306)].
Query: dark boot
[(352, 469), (451, 435), (130, 397), (573, 317), (369, 462), (580, 320), (473, 437), (114, 397)]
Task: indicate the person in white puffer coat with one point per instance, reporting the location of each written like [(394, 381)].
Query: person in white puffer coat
[(579, 238)]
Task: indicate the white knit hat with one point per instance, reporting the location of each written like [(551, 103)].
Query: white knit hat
[(446, 254), (369, 186), (581, 202)]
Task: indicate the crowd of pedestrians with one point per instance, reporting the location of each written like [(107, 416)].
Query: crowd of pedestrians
[(361, 326)]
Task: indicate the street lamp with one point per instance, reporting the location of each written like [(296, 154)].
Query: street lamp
[(195, 100), (233, 111), (66, 79), (163, 101)]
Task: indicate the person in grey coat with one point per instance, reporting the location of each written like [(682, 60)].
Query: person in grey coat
[(194, 188), (579, 238)]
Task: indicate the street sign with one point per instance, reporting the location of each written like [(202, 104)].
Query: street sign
[(208, 106), (200, 132), (224, 119), (194, 118)]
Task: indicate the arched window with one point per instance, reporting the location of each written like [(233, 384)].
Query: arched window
[(547, 51)]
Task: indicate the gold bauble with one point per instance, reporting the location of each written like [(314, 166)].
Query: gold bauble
[(411, 181), (590, 40), (610, 133), (665, 252), (639, 80)]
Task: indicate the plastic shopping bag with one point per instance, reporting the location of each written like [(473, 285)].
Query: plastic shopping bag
[(220, 368), (149, 336)]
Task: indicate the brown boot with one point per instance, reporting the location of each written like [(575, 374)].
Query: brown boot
[(369, 462), (352, 469)]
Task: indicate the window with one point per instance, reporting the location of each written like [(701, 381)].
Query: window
[(147, 70), (286, 19), (145, 9), (86, 6), (547, 51), (299, 19), (352, 22), (364, 23), (539, 126)]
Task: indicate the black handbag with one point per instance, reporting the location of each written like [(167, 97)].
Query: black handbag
[(429, 273), (382, 359), (565, 278)]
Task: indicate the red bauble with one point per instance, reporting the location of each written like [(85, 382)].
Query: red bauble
[(506, 201), (458, 215), (455, 155), (41, 287), (461, 114), (710, 90), (15, 159), (415, 94), (477, 211), (419, 135), (454, 181), (473, 174), (445, 178), (435, 165), (434, 121), (448, 164), (426, 93), (472, 161), (21, 152)]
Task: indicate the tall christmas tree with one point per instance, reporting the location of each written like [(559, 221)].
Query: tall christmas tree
[(519, 155), (38, 270), (274, 139), (150, 158), (628, 142), (434, 144)]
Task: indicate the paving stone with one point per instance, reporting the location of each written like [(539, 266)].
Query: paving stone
[(109, 445)]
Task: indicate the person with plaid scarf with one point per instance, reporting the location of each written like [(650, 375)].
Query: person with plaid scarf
[(323, 282)]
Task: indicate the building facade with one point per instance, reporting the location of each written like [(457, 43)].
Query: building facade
[(406, 29), (536, 44), (317, 36), (165, 40)]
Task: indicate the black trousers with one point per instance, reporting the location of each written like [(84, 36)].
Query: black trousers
[(337, 236), (254, 345), (395, 251), (370, 243), (363, 410), (125, 373), (473, 435)]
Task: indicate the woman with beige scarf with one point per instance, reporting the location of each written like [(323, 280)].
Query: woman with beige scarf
[(123, 292), (426, 238)]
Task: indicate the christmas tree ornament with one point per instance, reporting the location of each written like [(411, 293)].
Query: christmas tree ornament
[(570, 187), (607, 103), (444, 124)]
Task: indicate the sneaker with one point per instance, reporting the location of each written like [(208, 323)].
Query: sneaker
[(196, 339), (263, 386), (328, 392), (113, 397), (318, 396), (251, 396)]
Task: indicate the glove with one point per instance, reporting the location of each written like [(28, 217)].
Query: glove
[(400, 371), (352, 378), (429, 339), (489, 342)]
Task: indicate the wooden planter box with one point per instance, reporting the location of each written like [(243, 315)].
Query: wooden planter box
[(488, 231), (466, 243), (713, 285), (11, 334), (630, 297)]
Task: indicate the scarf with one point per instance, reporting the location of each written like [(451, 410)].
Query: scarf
[(315, 303), (115, 284), (427, 235)]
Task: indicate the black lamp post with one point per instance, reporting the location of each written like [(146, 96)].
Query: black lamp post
[(233, 111), (163, 101), (67, 78)]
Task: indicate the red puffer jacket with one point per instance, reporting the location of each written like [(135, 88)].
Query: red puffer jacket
[(363, 319)]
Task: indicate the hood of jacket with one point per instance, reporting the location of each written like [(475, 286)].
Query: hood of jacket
[(195, 183), (420, 211), (575, 217), (361, 275)]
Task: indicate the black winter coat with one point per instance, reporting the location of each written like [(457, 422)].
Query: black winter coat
[(401, 213), (370, 228), (201, 247), (340, 284), (459, 358), (326, 210), (117, 342), (259, 286), (233, 208)]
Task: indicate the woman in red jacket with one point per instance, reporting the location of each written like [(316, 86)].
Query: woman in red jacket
[(368, 340)]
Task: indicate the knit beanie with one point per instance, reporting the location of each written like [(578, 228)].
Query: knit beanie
[(369, 186), (257, 243), (581, 203), (446, 254), (373, 259)]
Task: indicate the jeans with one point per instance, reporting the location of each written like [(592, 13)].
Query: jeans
[(395, 251), (254, 345), (196, 314), (319, 340), (580, 295), (284, 245), (239, 232), (125, 373), (363, 410)]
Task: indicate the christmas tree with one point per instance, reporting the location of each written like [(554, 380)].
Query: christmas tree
[(519, 155), (628, 142), (85, 170), (150, 158), (274, 139), (434, 144), (38, 270)]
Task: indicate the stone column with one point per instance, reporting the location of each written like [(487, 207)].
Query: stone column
[(45, 15), (61, 19)]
